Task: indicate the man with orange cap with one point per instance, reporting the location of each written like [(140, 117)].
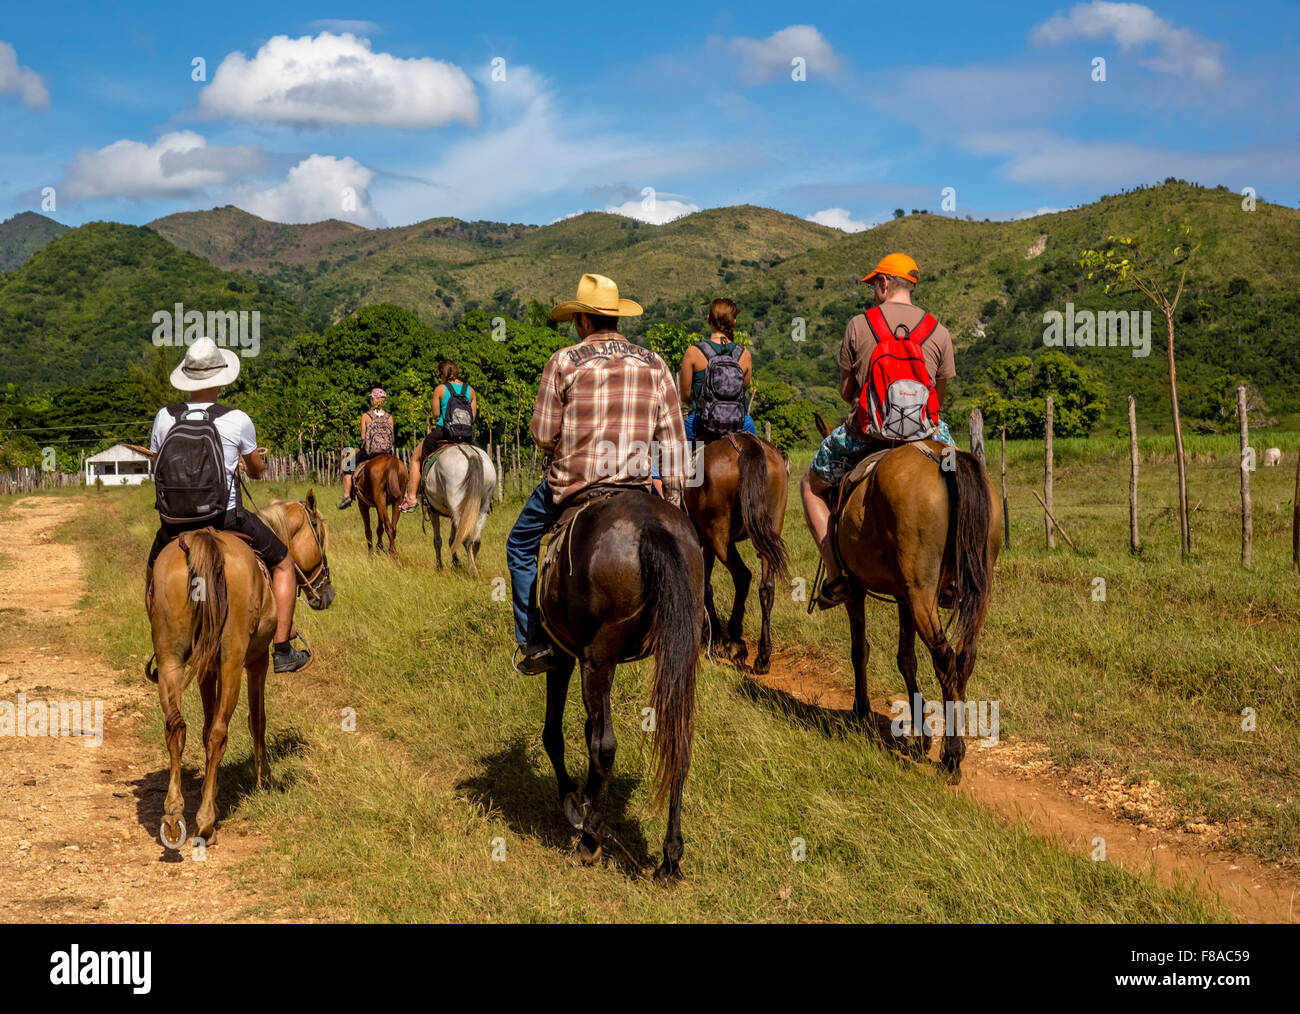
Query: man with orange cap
[(892, 282)]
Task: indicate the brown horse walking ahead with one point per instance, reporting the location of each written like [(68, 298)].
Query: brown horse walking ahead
[(380, 483), (743, 496), (626, 581), (212, 607), (914, 528)]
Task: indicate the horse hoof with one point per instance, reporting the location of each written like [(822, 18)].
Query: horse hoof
[(209, 836), (588, 855), (668, 872), (575, 810), (166, 831), (952, 768), (762, 666)]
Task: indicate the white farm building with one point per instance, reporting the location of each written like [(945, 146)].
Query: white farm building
[(120, 465)]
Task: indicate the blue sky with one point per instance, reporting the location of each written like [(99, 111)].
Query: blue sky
[(394, 115)]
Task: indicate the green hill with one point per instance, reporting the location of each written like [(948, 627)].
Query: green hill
[(81, 309), (24, 234)]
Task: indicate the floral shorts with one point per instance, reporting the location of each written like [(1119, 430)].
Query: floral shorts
[(843, 449)]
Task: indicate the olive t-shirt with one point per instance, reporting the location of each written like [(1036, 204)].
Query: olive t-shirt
[(855, 352)]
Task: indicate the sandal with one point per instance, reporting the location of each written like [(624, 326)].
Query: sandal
[(408, 505)]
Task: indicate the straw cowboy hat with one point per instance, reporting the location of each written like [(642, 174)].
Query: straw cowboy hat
[(596, 294), (205, 366)]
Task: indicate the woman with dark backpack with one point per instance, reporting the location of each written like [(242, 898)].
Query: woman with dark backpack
[(715, 375), (456, 405), (376, 438)]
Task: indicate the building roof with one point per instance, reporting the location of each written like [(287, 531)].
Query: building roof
[(120, 452)]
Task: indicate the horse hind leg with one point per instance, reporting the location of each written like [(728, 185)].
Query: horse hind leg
[(231, 671), (766, 599), (946, 669), (171, 685), (907, 666), (256, 667), (741, 577), (597, 677)]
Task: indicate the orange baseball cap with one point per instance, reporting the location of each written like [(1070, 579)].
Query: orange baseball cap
[(897, 264)]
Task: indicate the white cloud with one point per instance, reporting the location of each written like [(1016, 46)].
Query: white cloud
[(21, 80), (762, 61), (1020, 216), (1178, 51), (838, 218), (338, 79), (655, 211), (176, 164), (317, 188)]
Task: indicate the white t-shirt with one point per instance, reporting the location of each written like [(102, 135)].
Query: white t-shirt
[(237, 437)]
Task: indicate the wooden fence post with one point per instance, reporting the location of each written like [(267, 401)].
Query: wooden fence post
[(501, 478), (1006, 515), (977, 435), (767, 430), (1295, 518), (1246, 532), (1047, 477), (1134, 541)]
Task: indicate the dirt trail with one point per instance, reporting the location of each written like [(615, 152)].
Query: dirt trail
[(79, 823), (1013, 778)]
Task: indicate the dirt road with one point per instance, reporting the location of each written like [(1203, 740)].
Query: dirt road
[(79, 823), (1019, 780)]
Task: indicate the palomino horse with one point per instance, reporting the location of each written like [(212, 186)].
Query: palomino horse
[(459, 484), (742, 496), (624, 580), (380, 483), (926, 520), (212, 607)]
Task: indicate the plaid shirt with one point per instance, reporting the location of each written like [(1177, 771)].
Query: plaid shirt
[(603, 407)]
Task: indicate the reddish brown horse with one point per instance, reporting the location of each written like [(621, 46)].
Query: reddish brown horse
[(211, 607), (624, 580), (925, 523), (380, 483), (742, 496)]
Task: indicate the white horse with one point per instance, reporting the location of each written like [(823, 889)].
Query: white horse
[(460, 485)]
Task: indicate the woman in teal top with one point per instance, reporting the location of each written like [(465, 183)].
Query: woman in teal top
[(449, 384)]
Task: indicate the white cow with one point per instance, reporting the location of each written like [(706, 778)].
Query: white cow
[(1272, 457)]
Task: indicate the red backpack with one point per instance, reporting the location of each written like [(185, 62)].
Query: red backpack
[(898, 401)]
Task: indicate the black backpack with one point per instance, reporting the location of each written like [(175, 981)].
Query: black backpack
[(458, 419), (190, 471), (722, 401)]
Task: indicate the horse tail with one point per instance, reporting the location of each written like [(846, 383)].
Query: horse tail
[(472, 502), (968, 497), (393, 480), (675, 641), (206, 564), (753, 507)]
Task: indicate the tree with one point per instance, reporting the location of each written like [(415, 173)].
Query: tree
[(1017, 390), (1152, 272), (899, 212)]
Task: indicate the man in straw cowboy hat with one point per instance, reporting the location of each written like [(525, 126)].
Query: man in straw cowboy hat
[(204, 371), (603, 406), (892, 283)]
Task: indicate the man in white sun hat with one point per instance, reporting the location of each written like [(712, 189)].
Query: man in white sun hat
[(198, 445)]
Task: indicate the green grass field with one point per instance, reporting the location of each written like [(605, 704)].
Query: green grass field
[(399, 819)]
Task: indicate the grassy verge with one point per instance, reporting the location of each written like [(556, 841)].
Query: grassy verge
[(399, 820)]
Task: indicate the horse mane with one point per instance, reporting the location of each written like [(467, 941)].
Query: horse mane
[(276, 516)]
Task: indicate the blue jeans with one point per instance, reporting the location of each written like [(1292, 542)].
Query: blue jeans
[(539, 513), (689, 423)]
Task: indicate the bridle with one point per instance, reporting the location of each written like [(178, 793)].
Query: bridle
[(321, 576)]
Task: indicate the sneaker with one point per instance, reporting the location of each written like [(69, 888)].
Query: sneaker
[(345, 503), (537, 659), (290, 660), (833, 593)]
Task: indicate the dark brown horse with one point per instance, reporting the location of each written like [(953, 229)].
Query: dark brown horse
[(921, 526), (212, 608), (626, 580), (742, 496), (381, 483)]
